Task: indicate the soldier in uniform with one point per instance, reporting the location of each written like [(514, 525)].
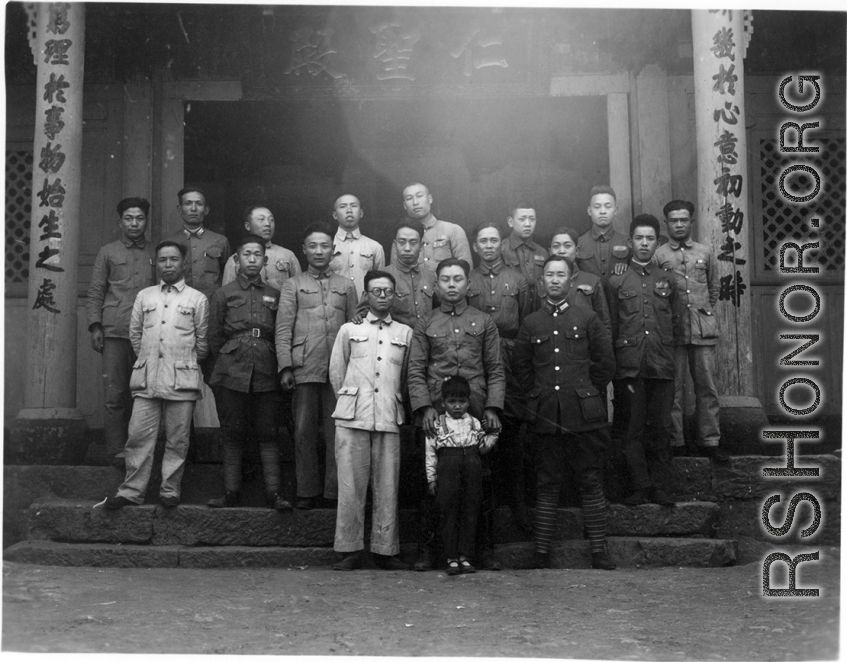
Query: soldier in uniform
[(312, 308), (696, 328), (281, 263), (413, 298), (454, 338), (241, 340), (506, 295), (121, 270), (355, 254), (641, 302), (563, 360), (441, 239), (602, 250), (522, 253)]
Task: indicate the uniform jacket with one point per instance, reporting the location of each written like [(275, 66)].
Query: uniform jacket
[(207, 256), (242, 323), (587, 290), (368, 373), (528, 258), (355, 255), (121, 270), (456, 340), (440, 241), (697, 289), (599, 252), (282, 265), (641, 304), (312, 308), (413, 295), (563, 360), (503, 293), (168, 334)]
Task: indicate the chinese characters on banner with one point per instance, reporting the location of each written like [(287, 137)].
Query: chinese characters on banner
[(729, 184), (51, 192), (391, 53)]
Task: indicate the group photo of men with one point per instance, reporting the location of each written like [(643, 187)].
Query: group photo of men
[(509, 361)]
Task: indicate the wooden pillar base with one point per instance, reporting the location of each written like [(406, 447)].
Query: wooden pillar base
[(47, 436)]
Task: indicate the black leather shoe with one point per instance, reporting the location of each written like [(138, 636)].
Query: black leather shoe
[(602, 561), (228, 500), (117, 502), (276, 502), (384, 562), (352, 561), (637, 498), (306, 503), (169, 501), (424, 561), (659, 497)]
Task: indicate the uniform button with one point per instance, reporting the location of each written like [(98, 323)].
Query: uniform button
[(556, 350), (556, 387), (376, 390), (416, 303), (555, 314), (688, 291), (166, 305), (380, 342), (555, 333), (379, 358), (493, 292), (377, 374), (163, 321), (457, 330), (557, 367), (643, 284), (689, 305), (426, 259), (646, 333), (686, 277)]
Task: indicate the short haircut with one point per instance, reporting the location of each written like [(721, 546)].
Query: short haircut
[(520, 204), (455, 386), (644, 220), (318, 226), (373, 274), (249, 209), (676, 205), (172, 244), (559, 258), (129, 203), (453, 262), (412, 225), (342, 194), (190, 189), (489, 224), (602, 189), (573, 234), (250, 239), (425, 187)]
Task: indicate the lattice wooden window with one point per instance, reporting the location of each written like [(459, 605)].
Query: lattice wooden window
[(18, 211), (782, 221)]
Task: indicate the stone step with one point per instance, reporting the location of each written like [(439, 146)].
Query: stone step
[(67, 520), (627, 553)]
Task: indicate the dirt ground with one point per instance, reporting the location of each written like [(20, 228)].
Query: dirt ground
[(662, 614)]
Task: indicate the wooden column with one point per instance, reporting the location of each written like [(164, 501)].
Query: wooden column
[(620, 177), (722, 191), (50, 424), (653, 140)]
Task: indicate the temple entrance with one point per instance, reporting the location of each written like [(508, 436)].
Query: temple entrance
[(477, 155)]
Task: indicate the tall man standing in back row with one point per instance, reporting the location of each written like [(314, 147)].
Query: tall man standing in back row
[(522, 253), (602, 249), (441, 239), (696, 327), (355, 254)]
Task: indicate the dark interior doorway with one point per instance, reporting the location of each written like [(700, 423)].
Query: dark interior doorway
[(476, 155)]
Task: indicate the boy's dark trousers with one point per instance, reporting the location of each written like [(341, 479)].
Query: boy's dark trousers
[(459, 475)]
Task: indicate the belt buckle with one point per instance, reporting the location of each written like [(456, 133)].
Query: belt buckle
[(256, 333)]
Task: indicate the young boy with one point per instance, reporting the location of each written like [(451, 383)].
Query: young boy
[(603, 250), (280, 263), (122, 269), (454, 473), (521, 252), (241, 340), (355, 254)]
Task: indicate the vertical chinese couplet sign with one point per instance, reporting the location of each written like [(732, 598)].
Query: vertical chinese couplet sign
[(722, 216), (54, 233)]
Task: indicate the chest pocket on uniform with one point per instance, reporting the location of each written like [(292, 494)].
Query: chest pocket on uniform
[(270, 305), (358, 347), (184, 317), (591, 404), (577, 344), (149, 315), (213, 259), (309, 296), (700, 271), (441, 248), (542, 349), (397, 351), (629, 301), (118, 270)]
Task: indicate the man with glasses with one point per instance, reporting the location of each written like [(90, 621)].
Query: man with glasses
[(367, 370)]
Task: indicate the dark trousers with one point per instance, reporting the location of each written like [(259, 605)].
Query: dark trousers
[(458, 497), (583, 451), (313, 406), (246, 416), (427, 508), (118, 359), (646, 446)]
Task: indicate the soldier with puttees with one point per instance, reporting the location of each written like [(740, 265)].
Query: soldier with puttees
[(563, 359), (454, 338), (312, 308), (168, 334), (244, 377), (695, 329), (641, 302), (121, 270), (368, 370)]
